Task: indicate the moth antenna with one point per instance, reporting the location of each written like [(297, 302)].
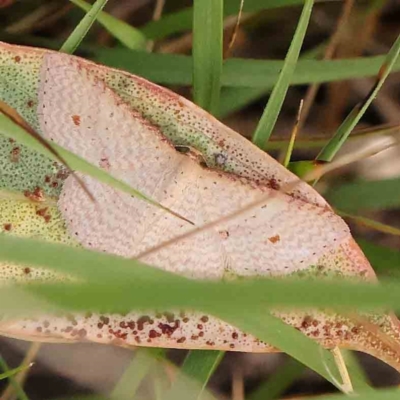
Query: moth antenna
[(20, 121)]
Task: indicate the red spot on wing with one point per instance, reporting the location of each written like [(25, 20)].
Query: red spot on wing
[(43, 212), (274, 239), (7, 227), (17, 59), (76, 119), (105, 163), (37, 195), (15, 153), (274, 184)]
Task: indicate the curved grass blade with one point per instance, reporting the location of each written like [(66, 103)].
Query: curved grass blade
[(274, 105), (21, 395), (129, 36), (143, 361), (293, 136), (385, 260), (234, 99), (13, 371), (181, 20), (366, 195), (343, 132), (279, 381), (203, 295), (22, 375), (78, 34), (383, 394), (369, 223), (207, 53), (199, 365), (151, 288), (237, 72), (316, 142), (10, 129)]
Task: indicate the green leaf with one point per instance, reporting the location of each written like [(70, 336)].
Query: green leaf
[(129, 36), (78, 34), (207, 53), (344, 130), (274, 105)]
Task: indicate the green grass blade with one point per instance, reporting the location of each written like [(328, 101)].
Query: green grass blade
[(284, 337), (337, 141), (78, 34), (198, 366), (289, 150), (274, 105), (208, 360), (13, 372), (177, 69), (234, 99), (181, 20), (384, 394), (279, 381), (151, 288), (129, 36), (370, 223), (366, 195), (207, 53), (384, 260), (143, 361), (317, 142), (148, 288), (354, 366), (125, 288), (19, 391), (11, 130)]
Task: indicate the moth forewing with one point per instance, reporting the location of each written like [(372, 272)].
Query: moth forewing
[(128, 126)]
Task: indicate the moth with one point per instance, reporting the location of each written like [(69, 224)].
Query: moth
[(131, 128)]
